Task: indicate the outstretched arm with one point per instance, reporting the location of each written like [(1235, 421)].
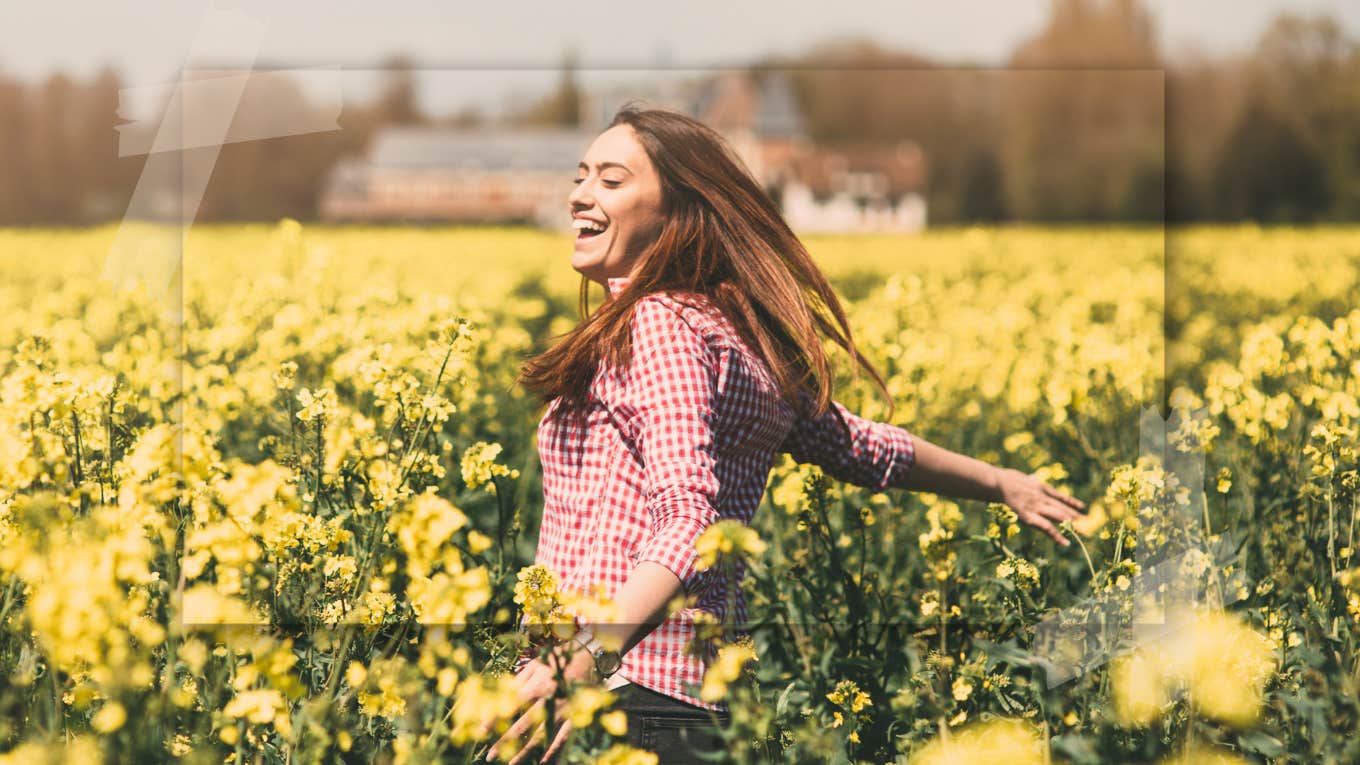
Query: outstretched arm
[(853, 449), (880, 456)]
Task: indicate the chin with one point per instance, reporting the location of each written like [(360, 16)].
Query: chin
[(587, 260), (581, 262)]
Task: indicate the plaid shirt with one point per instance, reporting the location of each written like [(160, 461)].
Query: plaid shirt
[(685, 436)]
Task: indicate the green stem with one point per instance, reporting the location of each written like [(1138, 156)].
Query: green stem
[(1350, 540), (320, 466), (1089, 565), (424, 413), (1331, 528), (333, 682), (79, 475)]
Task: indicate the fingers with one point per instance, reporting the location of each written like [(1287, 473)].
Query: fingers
[(529, 746), (523, 683), (1066, 499), (1061, 512), (1055, 510), (516, 730), (1052, 531), (558, 741), (1043, 524)]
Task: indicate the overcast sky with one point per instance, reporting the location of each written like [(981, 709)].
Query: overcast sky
[(502, 53)]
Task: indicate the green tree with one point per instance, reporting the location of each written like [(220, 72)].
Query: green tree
[(1267, 171), (981, 195), (563, 106)]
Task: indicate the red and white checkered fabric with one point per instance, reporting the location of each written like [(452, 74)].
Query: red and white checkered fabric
[(683, 437)]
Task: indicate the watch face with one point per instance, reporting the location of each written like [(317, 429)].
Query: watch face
[(607, 662)]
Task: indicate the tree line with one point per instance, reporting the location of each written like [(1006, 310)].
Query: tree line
[(1086, 122)]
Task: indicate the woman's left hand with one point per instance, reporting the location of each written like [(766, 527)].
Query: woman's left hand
[(1037, 504), (537, 683)]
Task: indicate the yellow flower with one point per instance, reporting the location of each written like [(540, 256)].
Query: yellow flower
[(355, 674), (1221, 661), (860, 701), (724, 537), (848, 694), (1019, 571), (962, 689), (109, 718), (194, 653), (1091, 522), (725, 669), (622, 754), (479, 466), (477, 541), (258, 706), (180, 745), (615, 723), (998, 741), (480, 700), (1139, 692), (424, 526), (536, 592), (286, 375), (319, 404), (585, 701), (449, 598), (387, 702), (930, 603), (1224, 481)]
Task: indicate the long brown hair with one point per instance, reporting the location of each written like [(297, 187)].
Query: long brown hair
[(723, 238)]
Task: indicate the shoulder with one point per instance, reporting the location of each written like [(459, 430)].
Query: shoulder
[(675, 313), (688, 311), (675, 323)]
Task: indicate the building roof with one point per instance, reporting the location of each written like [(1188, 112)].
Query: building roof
[(901, 167), (483, 148), (348, 179), (763, 103), (778, 114)]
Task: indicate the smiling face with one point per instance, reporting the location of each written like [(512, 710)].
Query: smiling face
[(617, 188)]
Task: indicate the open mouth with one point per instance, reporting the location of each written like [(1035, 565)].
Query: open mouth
[(586, 229)]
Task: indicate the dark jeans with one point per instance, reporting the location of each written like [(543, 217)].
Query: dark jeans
[(674, 730)]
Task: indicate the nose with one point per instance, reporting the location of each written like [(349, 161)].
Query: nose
[(581, 196)]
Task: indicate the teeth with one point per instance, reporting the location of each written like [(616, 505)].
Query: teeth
[(587, 224)]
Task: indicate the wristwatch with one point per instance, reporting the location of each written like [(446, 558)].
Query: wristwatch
[(607, 661)]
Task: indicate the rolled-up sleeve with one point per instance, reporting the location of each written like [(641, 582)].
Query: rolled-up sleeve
[(671, 384), (850, 448)]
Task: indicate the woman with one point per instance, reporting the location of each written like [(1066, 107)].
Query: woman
[(669, 405)]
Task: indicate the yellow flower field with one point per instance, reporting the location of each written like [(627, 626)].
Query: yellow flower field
[(285, 509)]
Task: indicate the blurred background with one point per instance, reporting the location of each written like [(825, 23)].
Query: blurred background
[(883, 116)]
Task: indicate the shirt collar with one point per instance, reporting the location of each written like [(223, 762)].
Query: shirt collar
[(616, 284)]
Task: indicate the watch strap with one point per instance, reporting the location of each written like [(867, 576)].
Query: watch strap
[(586, 639)]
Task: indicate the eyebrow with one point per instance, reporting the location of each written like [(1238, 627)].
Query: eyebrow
[(603, 165)]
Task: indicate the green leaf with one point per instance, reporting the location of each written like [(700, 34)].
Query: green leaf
[(782, 704), (1076, 747), (1261, 743)]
